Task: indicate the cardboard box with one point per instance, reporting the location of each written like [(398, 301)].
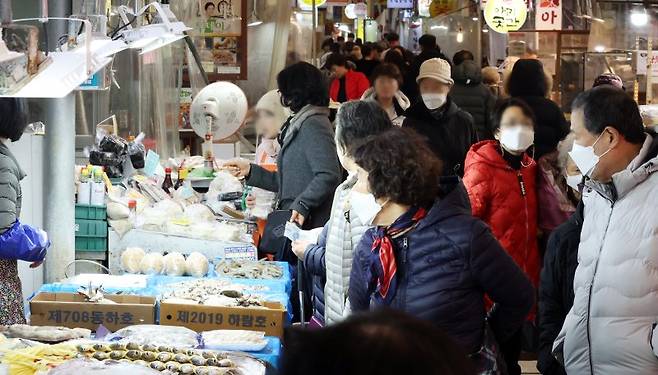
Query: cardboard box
[(207, 318), (70, 310)]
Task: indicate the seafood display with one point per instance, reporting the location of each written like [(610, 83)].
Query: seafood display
[(151, 338), (135, 260), (249, 269), (224, 339), (184, 361), (210, 292), (110, 367), (44, 334)]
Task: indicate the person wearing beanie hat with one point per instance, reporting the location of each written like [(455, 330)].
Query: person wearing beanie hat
[(449, 130), (270, 116), (429, 50), (610, 79)]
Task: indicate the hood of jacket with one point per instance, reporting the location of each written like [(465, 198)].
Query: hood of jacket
[(644, 164), (489, 152), (401, 99), (298, 119), (453, 201), (467, 73)]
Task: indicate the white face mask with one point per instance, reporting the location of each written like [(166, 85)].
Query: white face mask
[(364, 206), (517, 138), (585, 158), (434, 101), (574, 181)]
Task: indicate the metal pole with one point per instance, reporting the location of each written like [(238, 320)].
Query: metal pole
[(313, 36), (6, 14), (59, 186)]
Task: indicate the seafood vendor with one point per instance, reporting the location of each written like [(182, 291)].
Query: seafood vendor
[(13, 235)]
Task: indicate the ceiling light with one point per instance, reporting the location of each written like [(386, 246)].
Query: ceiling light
[(460, 36), (475, 19), (639, 19), (485, 30), (599, 49)]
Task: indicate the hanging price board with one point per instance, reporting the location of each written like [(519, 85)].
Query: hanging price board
[(503, 16), (438, 7)]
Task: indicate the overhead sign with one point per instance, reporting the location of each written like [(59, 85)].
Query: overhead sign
[(503, 16), (308, 4), (548, 15), (642, 63), (438, 7), (400, 4)]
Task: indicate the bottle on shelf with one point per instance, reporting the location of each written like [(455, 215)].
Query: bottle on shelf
[(182, 175), (84, 188), (132, 216), (168, 184), (98, 188)]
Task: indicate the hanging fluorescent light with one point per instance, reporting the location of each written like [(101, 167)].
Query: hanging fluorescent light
[(599, 48), (639, 19), (253, 18), (163, 31), (439, 27)]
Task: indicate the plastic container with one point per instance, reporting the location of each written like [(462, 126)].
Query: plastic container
[(90, 228), (87, 212)]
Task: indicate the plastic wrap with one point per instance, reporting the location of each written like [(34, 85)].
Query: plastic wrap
[(234, 340), (224, 182), (152, 264), (199, 212), (174, 264), (196, 265), (157, 335), (113, 144), (131, 259), (117, 211)]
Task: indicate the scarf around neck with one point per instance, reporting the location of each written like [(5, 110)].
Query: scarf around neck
[(383, 266)]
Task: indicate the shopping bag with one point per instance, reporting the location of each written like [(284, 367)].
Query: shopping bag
[(274, 240), (24, 242)]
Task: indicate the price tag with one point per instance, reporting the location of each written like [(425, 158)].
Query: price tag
[(247, 252)]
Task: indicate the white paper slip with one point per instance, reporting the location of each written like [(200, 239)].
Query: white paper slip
[(292, 231), (295, 233)]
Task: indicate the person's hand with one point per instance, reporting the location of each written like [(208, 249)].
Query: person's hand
[(36, 264), (299, 248), (238, 167), (251, 202), (298, 218)]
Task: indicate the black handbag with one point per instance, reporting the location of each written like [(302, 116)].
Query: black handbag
[(273, 240)]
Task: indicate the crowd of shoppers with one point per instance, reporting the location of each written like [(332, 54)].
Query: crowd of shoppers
[(481, 213)]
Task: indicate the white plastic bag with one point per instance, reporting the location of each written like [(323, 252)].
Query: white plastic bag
[(156, 335), (196, 265), (199, 212), (131, 259), (234, 340), (152, 264), (174, 264)]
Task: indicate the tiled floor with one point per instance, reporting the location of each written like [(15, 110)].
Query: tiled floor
[(529, 367)]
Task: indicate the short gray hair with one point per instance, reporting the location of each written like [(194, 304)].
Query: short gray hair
[(563, 149)]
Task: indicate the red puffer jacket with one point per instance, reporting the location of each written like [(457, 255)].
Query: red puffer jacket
[(497, 197), (356, 83)]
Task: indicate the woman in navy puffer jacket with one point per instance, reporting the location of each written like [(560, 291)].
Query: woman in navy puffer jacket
[(430, 257)]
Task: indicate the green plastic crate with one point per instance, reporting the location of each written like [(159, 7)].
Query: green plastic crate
[(91, 244), (86, 212), (90, 228)]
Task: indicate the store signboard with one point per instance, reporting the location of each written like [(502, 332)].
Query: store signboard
[(548, 15), (503, 16), (642, 63), (439, 7), (400, 4)]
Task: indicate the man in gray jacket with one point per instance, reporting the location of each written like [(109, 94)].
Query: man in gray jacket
[(611, 328)]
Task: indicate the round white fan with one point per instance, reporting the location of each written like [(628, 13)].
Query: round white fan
[(218, 110)]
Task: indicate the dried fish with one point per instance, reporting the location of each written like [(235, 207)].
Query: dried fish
[(101, 356), (134, 354), (197, 360), (164, 348), (157, 365), (148, 356), (208, 355), (118, 346), (102, 348), (226, 363), (181, 358), (172, 366), (135, 346), (118, 354), (246, 269), (165, 356), (202, 370), (186, 369)]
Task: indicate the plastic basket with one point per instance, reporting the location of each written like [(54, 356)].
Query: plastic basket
[(97, 244), (90, 228), (86, 212)]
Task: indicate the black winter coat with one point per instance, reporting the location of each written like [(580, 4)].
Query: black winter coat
[(410, 77), (450, 134), (556, 288), (473, 97), (445, 266), (316, 267), (550, 127)]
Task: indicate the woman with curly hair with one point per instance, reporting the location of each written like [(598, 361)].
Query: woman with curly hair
[(427, 255)]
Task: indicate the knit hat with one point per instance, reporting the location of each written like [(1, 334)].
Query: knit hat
[(609, 79), (437, 69), (271, 101)]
